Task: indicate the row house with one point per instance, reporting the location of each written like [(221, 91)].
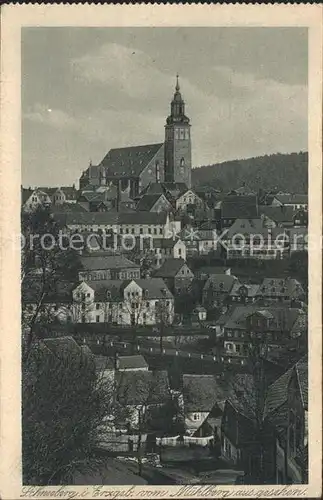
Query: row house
[(132, 224), (134, 302), (129, 302), (104, 267), (248, 326), (250, 239)]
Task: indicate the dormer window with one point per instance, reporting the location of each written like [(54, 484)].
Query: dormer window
[(108, 294)]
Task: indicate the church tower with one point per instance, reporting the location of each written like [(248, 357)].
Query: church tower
[(178, 161)]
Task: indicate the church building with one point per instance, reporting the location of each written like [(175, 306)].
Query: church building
[(134, 168)]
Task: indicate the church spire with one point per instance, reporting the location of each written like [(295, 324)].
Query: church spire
[(177, 84)]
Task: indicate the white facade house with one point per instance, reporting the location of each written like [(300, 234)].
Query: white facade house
[(131, 302), (188, 198)]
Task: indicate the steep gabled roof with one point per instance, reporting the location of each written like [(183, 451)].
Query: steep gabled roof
[(170, 268), (277, 394), (25, 194), (131, 160), (148, 201), (220, 282)]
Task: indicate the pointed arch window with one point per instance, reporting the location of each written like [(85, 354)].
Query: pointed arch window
[(182, 162)]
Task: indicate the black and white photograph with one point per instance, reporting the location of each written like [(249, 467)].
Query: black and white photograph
[(164, 256)]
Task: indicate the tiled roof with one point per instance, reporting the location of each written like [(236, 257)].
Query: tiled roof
[(239, 207), (208, 270), (252, 290), (296, 199), (101, 287), (155, 287), (25, 194), (170, 268), (302, 375), (244, 191), (276, 287), (64, 347), (147, 202), (132, 362), (64, 208), (220, 283), (103, 363), (280, 319), (112, 218), (201, 392), (99, 262), (164, 242), (277, 394), (277, 214), (129, 161)]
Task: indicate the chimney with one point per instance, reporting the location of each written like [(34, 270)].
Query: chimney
[(116, 361)]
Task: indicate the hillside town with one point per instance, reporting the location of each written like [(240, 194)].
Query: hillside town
[(189, 301)]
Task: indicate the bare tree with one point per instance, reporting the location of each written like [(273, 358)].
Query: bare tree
[(64, 402), (164, 317), (46, 261)]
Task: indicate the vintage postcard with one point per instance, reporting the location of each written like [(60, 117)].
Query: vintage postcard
[(161, 251)]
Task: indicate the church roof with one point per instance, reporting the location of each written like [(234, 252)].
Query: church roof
[(131, 160)]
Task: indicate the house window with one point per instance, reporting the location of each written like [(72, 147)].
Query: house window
[(229, 347), (147, 305), (155, 230), (141, 230), (196, 416), (97, 319), (161, 230), (97, 306), (120, 305), (149, 230)]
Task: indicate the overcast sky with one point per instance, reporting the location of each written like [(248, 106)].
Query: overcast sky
[(87, 90)]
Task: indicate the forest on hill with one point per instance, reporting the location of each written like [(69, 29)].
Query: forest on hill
[(285, 172)]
